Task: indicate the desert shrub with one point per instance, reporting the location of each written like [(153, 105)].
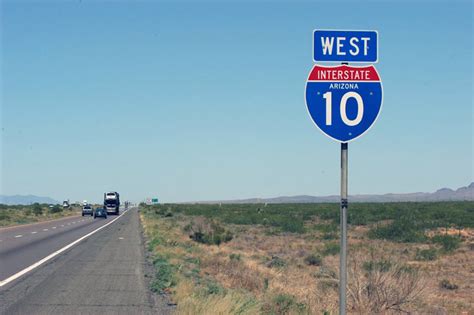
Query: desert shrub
[(331, 249), (266, 283), (163, 212), (313, 260), (326, 227), (400, 230), (426, 254), (4, 215), (380, 266), (37, 209), (214, 288), (328, 284), (290, 217), (448, 285), (56, 209), (383, 286), (155, 241), (448, 242), (164, 274), (159, 211), (293, 225), (276, 262), (283, 304), (234, 257), (329, 236), (325, 272), (209, 232), (188, 227), (358, 218)]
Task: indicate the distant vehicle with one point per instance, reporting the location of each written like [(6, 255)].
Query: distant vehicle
[(112, 202), (66, 204), (100, 212), (85, 203), (87, 209)]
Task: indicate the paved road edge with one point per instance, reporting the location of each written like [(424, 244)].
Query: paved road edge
[(54, 254)]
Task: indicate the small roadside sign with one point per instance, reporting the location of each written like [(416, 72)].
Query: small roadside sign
[(345, 46)]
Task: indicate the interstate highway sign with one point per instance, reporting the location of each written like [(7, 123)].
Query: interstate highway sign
[(343, 101), (345, 46)]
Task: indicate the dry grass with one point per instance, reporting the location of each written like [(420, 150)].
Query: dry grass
[(190, 297), (18, 215), (405, 286), (191, 301)]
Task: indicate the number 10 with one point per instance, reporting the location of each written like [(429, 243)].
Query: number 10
[(360, 108)]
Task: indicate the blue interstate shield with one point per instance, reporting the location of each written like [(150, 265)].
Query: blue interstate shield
[(344, 101)]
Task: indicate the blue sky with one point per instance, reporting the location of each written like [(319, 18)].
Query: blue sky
[(205, 100)]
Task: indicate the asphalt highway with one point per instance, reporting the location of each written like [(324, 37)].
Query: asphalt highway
[(21, 246), (104, 273)]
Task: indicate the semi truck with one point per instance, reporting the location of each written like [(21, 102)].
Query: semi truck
[(112, 202)]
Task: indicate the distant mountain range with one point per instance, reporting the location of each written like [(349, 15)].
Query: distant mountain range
[(25, 200), (444, 194)]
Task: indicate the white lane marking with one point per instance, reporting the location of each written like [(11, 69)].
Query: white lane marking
[(17, 236), (54, 227), (45, 230), (34, 232), (42, 261), (120, 238)]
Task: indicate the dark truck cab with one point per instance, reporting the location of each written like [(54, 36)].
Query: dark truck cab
[(112, 202)]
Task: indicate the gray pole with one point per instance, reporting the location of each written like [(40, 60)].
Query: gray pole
[(343, 258)]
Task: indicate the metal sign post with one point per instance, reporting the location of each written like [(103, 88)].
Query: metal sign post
[(343, 257)]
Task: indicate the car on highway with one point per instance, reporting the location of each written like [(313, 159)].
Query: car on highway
[(87, 210), (100, 212)]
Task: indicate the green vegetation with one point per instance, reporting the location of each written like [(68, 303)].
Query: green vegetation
[(401, 230), (276, 262), (56, 209), (448, 242), (164, 275), (331, 249), (313, 260), (235, 257), (210, 257), (209, 232), (23, 214), (177, 270), (448, 285), (397, 221), (283, 304), (426, 254), (37, 209), (377, 266)]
